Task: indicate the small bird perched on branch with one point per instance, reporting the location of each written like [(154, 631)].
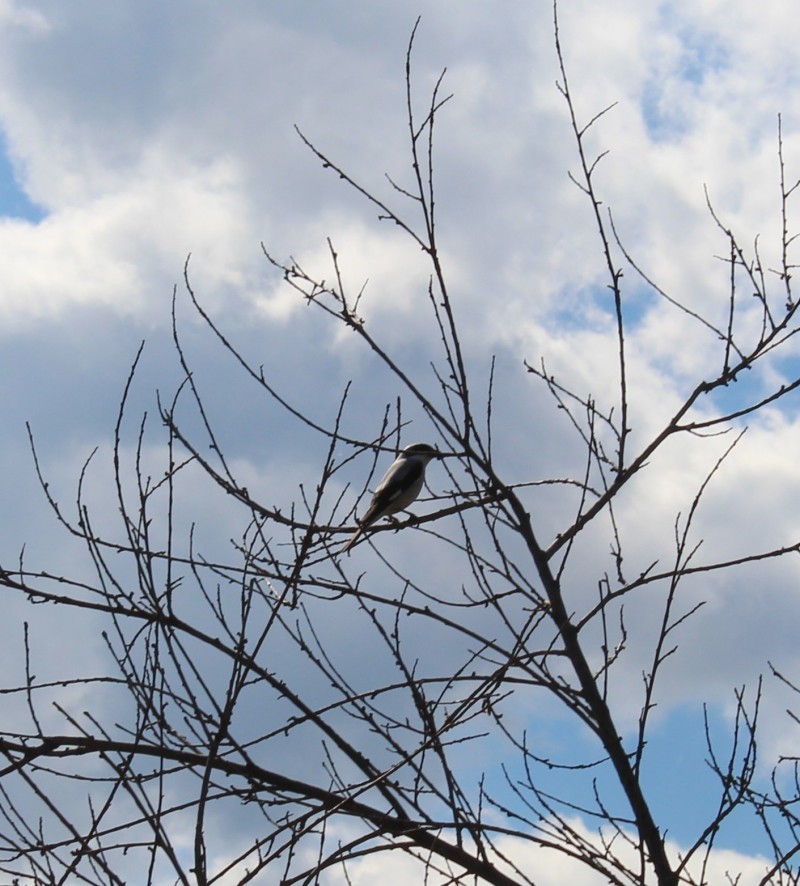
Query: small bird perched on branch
[(400, 485)]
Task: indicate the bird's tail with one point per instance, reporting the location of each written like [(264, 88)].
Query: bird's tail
[(353, 539)]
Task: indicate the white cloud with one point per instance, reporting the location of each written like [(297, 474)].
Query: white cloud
[(25, 19), (123, 248), (546, 867)]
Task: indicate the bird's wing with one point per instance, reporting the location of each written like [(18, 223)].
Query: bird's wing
[(393, 490)]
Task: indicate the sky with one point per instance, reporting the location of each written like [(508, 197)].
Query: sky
[(135, 134)]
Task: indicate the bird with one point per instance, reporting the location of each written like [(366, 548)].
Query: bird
[(400, 485)]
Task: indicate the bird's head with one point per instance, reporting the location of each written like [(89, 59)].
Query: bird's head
[(421, 450)]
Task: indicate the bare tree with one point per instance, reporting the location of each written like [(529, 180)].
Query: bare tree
[(247, 743)]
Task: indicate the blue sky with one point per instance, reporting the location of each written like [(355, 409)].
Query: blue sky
[(14, 202), (136, 133)]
